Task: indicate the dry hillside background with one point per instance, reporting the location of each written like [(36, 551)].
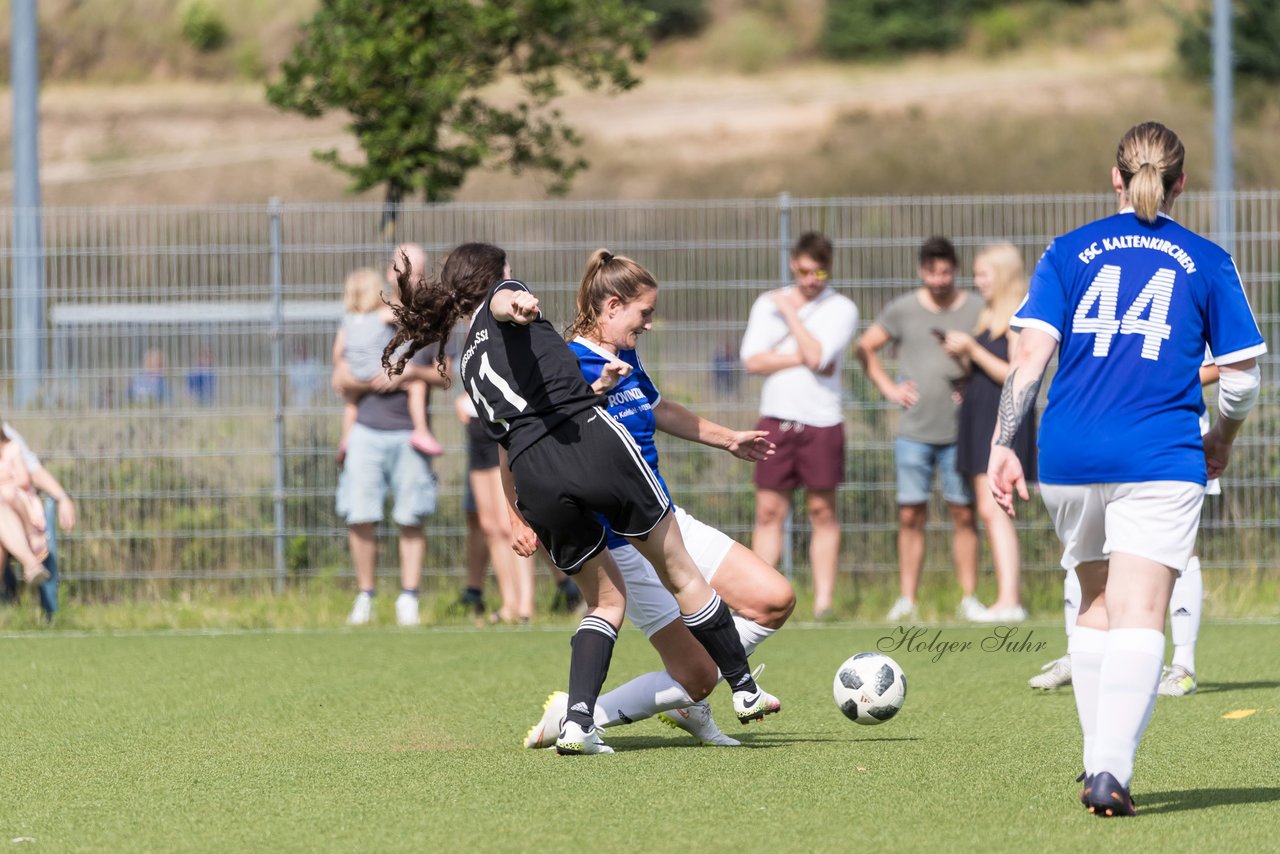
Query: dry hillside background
[(132, 115)]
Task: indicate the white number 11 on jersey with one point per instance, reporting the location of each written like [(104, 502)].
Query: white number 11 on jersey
[(1153, 300)]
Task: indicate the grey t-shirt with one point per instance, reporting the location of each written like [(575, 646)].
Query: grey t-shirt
[(921, 358), (390, 411)]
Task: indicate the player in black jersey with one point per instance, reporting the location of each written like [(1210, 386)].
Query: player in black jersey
[(567, 461)]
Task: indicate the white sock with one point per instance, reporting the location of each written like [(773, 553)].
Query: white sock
[(1126, 698), (642, 697), (1086, 647), (1070, 600), (1185, 608), (751, 633)]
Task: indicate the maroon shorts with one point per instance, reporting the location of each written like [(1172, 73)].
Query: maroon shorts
[(809, 457)]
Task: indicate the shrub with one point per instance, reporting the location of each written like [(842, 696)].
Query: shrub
[(750, 43), (675, 17), (1001, 30), (203, 26), (861, 28)]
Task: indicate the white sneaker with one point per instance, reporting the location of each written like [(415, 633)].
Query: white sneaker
[(752, 707), (407, 610), (697, 721), (903, 609), (1176, 681), (1012, 614), (576, 741), (545, 732), (1055, 674), (362, 611), (972, 610)]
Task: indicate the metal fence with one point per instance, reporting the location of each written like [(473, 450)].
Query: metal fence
[(185, 399)]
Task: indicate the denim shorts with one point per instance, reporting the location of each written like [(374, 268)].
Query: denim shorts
[(916, 462), (378, 461)]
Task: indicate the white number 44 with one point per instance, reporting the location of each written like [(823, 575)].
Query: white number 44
[(1153, 301)]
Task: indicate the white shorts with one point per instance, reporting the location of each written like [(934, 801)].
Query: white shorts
[(650, 606), (1156, 520)]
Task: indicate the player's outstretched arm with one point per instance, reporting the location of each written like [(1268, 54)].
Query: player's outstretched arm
[(1017, 399), (678, 421)]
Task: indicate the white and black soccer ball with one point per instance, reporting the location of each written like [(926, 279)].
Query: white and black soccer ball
[(870, 688)]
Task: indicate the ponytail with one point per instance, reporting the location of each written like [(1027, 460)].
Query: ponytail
[(606, 275), (1150, 159)]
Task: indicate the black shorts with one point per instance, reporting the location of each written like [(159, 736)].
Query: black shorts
[(482, 450), (587, 465)]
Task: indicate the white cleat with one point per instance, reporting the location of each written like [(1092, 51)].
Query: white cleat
[(903, 609), (362, 611), (752, 707), (545, 732), (1055, 674), (576, 741), (697, 721), (1176, 681), (407, 610)]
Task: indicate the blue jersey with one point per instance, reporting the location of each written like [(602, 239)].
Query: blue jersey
[(1133, 306), (631, 403)]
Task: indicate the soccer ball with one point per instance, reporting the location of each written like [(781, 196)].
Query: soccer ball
[(870, 688)]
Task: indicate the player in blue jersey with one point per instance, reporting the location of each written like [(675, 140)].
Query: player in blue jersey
[(1130, 303), (564, 461), (616, 302)]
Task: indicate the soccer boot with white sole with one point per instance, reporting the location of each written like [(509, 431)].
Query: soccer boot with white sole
[(1055, 674), (698, 722), (576, 741), (752, 707), (545, 732), (1108, 799), (1176, 681)]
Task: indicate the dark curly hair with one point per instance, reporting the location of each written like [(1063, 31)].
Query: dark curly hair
[(428, 309)]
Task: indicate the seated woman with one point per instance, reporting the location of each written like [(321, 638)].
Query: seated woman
[(23, 525)]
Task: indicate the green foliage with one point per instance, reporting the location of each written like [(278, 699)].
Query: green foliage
[(1002, 29), (749, 43), (861, 28), (418, 81), (1255, 36), (203, 26), (673, 18)]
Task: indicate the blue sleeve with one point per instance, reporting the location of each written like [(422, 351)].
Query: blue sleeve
[(589, 362), (642, 376), (1046, 306), (1230, 327)]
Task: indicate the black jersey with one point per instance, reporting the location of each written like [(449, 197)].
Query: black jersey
[(524, 380)]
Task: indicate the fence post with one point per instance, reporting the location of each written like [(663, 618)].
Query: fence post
[(784, 277), (277, 369)]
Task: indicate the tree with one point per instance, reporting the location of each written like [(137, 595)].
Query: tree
[(418, 81), (1255, 40)]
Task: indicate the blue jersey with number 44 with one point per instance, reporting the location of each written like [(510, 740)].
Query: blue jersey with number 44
[(1133, 305)]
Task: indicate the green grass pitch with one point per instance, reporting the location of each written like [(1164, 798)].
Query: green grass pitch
[(387, 740)]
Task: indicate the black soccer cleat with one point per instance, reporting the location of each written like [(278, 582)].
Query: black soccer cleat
[(1108, 799), (1088, 787)]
